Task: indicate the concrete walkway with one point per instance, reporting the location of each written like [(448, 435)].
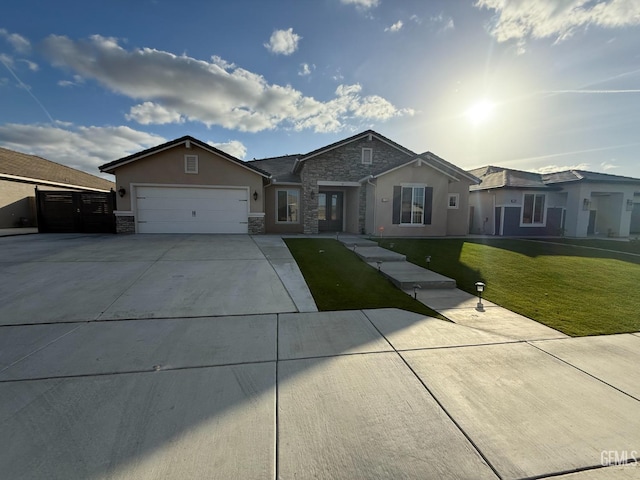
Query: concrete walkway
[(86, 393), (439, 293), (280, 258)]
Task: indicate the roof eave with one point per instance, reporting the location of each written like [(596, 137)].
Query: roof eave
[(187, 140)]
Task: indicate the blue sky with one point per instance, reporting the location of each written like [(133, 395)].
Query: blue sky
[(534, 85)]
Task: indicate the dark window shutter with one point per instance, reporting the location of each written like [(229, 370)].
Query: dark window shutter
[(397, 203), (428, 202)]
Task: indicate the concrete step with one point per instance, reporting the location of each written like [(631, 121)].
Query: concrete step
[(405, 275), (351, 240), (374, 254)]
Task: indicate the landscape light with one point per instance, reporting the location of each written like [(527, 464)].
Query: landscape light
[(379, 264), (428, 260), (480, 289), (415, 291)]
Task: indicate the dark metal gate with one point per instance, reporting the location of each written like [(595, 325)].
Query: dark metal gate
[(76, 212)]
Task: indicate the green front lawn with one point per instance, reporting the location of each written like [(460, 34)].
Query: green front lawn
[(339, 280), (578, 291)]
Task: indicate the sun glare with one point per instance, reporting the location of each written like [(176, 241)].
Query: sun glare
[(480, 112)]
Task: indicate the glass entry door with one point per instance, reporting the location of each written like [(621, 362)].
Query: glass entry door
[(330, 211)]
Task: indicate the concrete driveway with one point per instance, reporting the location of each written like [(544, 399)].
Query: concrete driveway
[(69, 278), (147, 378)]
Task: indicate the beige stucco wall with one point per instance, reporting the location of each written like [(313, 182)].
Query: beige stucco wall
[(458, 218), (167, 168), (412, 174), (17, 199)]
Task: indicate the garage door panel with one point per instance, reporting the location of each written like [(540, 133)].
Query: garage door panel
[(191, 192), (192, 210), (176, 227), (171, 215), (238, 206)]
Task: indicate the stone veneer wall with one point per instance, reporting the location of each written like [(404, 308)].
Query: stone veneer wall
[(125, 224), (256, 225), (344, 164)]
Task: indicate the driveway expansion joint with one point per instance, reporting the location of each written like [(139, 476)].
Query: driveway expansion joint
[(584, 371)]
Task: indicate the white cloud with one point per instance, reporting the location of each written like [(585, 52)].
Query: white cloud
[(84, 148), (173, 88), (151, 113), (77, 81), (232, 147), (520, 20), (416, 19), (18, 42), (305, 69), (606, 166), (33, 66), (442, 23), (363, 4), (283, 42), (6, 59), (395, 27)]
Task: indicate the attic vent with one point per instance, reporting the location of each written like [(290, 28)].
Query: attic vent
[(190, 164), (367, 156)]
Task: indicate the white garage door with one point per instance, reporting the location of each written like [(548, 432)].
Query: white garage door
[(191, 210)]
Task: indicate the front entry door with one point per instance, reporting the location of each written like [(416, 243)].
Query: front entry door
[(330, 211)]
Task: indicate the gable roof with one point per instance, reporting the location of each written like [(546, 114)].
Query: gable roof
[(359, 136), (22, 167), (187, 140), (435, 162), (281, 168), (499, 177)]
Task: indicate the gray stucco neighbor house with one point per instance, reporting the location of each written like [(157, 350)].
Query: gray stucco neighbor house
[(575, 203), (363, 184)]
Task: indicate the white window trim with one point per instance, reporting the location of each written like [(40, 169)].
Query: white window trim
[(370, 150), (457, 205), (412, 186), (544, 213), (186, 163), (281, 222)]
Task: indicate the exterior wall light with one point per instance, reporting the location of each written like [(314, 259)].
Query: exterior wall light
[(255, 195), (122, 192), (480, 289)]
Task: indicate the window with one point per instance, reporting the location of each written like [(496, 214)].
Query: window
[(533, 209), (367, 156), (190, 164), (287, 204), (454, 200), (412, 210)]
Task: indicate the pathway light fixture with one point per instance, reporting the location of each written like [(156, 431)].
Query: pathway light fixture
[(480, 288)]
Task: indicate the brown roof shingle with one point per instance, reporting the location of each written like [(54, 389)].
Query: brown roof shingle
[(35, 168)]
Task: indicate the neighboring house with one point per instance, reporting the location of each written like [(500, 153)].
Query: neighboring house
[(635, 215), (363, 184), (20, 174), (575, 203)]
